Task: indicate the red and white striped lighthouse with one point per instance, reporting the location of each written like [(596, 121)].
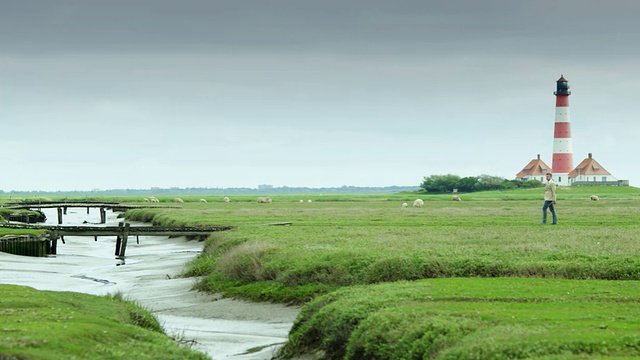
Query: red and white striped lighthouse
[(562, 162)]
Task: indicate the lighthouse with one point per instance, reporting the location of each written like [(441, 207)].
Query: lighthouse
[(562, 162)]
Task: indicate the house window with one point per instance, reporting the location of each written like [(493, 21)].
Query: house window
[(604, 178), (559, 179)]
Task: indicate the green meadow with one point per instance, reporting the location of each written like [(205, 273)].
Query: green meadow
[(476, 279)]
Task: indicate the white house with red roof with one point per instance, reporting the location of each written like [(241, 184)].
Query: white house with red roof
[(536, 169), (590, 172)]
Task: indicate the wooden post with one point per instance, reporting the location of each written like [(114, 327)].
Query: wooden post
[(88, 209), (103, 215), (65, 210), (60, 216), (119, 239), (54, 242), (125, 236)]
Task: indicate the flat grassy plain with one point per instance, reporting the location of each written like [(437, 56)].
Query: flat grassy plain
[(473, 279), (476, 279)]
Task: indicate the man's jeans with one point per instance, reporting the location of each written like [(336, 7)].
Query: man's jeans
[(548, 204)]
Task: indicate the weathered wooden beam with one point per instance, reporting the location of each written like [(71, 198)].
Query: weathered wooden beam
[(125, 237)]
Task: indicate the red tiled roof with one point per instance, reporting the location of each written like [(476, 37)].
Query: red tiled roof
[(588, 166), (534, 167)]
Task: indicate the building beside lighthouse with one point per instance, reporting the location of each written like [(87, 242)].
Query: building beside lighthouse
[(536, 169), (588, 172)]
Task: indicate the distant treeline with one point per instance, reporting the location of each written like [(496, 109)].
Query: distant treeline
[(223, 191), (447, 183)]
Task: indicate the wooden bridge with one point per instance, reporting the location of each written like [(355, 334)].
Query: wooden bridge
[(122, 233), (103, 206)]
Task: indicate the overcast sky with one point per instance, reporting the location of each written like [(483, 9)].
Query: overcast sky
[(156, 93)]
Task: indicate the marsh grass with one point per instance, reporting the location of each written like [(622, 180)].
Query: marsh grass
[(480, 318), (342, 243), (65, 325), (477, 279)]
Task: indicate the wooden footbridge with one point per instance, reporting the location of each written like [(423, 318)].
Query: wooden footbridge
[(102, 206), (122, 232)]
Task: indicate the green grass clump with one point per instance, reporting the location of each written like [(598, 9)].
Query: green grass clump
[(65, 325), (477, 318)]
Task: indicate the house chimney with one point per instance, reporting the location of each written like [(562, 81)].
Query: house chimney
[(538, 156), (589, 155)]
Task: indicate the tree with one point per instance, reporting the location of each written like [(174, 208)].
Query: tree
[(440, 183), (488, 182), (467, 184)]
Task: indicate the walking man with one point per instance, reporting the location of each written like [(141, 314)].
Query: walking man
[(549, 200)]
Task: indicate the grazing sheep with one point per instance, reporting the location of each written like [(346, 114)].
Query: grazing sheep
[(178, 200), (145, 200), (203, 200), (404, 205), (309, 200), (225, 199), (595, 197), (418, 203), (154, 199), (456, 198), (301, 201), (264, 200)]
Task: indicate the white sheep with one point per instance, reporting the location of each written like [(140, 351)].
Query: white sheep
[(203, 200), (418, 203), (595, 197), (301, 201), (456, 198), (264, 200), (309, 200), (178, 200), (153, 199), (145, 200), (225, 199), (404, 205)]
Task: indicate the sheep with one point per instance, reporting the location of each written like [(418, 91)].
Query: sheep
[(145, 200), (225, 199), (418, 203), (153, 199), (178, 200), (595, 197), (203, 200), (456, 198), (264, 200), (301, 201), (404, 205), (309, 200)]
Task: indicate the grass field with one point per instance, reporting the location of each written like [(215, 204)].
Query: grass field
[(65, 325), (473, 279)]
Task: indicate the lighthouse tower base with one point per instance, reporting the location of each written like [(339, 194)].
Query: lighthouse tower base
[(561, 179)]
